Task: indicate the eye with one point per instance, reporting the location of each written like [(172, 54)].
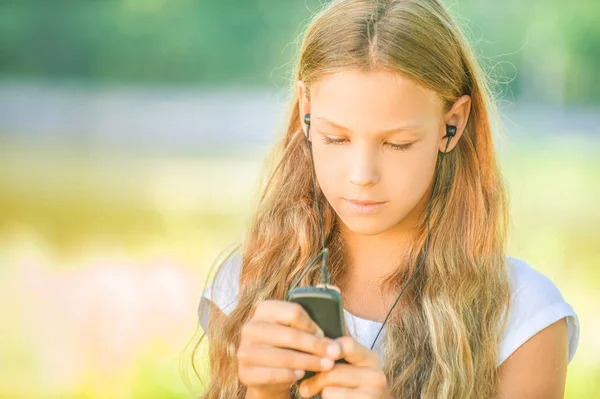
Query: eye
[(329, 140), (400, 147)]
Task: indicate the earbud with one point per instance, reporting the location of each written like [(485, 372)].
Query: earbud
[(307, 119), (450, 131), (307, 123)]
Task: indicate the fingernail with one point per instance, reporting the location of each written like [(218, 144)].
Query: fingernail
[(304, 391), (326, 364), (319, 332), (333, 350), (299, 373)]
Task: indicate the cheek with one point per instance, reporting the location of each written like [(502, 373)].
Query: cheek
[(409, 179), (409, 182), (329, 172)]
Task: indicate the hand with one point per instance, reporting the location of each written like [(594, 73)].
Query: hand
[(277, 345), (361, 378)]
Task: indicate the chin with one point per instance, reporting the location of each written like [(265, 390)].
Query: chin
[(367, 225)]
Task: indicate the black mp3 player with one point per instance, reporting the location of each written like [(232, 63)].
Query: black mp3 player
[(324, 306)]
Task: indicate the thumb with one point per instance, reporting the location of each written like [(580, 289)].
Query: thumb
[(355, 353)]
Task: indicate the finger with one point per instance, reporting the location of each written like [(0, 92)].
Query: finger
[(287, 337), (257, 376), (268, 356), (286, 313), (344, 375), (355, 353), (346, 393)]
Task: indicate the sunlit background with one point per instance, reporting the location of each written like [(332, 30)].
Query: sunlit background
[(131, 137)]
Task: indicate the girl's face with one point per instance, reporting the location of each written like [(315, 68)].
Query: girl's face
[(375, 137)]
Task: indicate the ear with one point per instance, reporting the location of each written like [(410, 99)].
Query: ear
[(457, 116), (303, 103)]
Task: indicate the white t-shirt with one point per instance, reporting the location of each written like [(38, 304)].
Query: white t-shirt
[(536, 304)]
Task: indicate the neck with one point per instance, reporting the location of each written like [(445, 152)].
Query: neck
[(372, 258)]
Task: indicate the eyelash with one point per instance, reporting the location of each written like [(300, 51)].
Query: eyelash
[(397, 147)]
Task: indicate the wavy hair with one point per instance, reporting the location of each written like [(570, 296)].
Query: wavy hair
[(442, 341)]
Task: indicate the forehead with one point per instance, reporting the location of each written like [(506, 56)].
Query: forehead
[(374, 99)]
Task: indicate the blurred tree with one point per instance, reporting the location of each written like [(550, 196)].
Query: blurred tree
[(546, 50)]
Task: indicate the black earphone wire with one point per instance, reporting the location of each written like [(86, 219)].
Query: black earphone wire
[(426, 249), (324, 251)]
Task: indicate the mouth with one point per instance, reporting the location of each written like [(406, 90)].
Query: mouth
[(365, 202), (365, 206)]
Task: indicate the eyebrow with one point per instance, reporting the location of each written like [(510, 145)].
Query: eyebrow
[(382, 132)]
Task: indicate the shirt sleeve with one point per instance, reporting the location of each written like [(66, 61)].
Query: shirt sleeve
[(536, 304), (222, 292)]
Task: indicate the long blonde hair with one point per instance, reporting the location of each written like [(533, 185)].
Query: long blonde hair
[(442, 340)]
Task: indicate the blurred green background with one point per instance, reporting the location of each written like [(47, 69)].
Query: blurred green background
[(131, 137)]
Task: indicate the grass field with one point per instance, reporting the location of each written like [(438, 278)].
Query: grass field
[(102, 259)]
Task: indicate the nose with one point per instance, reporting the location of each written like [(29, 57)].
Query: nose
[(363, 168)]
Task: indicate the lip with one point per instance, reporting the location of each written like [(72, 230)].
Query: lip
[(367, 207)]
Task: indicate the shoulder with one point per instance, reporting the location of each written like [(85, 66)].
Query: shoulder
[(224, 289), (536, 303)]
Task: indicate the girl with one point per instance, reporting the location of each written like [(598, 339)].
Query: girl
[(392, 105)]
